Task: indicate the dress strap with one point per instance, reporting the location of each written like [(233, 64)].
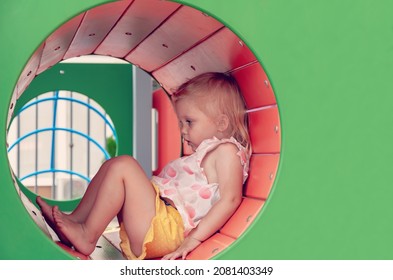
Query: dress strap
[(210, 144)]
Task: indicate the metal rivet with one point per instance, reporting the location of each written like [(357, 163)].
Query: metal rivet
[(241, 43), (62, 72), (266, 83), (271, 176), (276, 129)]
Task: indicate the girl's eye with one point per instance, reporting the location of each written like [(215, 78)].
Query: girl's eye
[(188, 122)]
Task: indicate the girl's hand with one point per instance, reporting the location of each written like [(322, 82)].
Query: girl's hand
[(186, 247)]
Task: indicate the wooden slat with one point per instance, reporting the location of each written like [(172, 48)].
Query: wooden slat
[(58, 42), (211, 247), (11, 107), (182, 30), (106, 251), (263, 169), (255, 86), (222, 52), (141, 18), (29, 71), (242, 218), (95, 25), (265, 132)]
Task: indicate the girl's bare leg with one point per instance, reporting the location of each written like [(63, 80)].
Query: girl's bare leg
[(83, 208), (125, 190)]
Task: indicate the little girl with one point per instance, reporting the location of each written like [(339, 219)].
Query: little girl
[(170, 214)]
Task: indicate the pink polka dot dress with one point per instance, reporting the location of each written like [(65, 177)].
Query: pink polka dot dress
[(184, 182)]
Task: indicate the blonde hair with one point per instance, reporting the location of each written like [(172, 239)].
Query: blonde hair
[(218, 93)]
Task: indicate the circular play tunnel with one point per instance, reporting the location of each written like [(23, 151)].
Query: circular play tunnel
[(173, 43)]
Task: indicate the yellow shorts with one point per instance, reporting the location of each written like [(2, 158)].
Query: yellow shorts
[(164, 236)]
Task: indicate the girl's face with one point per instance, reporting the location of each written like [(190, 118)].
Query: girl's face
[(195, 125)]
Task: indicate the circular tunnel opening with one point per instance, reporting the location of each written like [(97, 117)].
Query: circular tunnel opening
[(57, 140), (173, 43)]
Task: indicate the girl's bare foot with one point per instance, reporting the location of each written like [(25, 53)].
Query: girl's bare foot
[(74, 232), (46, 211)]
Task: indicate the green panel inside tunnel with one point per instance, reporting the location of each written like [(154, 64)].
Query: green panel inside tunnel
[(110, 85)]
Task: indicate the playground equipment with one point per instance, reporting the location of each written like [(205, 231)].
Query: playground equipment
[(331, 196)]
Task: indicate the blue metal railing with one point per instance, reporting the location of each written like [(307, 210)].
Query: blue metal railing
[(107, 156), (105, 119), (52, 169)]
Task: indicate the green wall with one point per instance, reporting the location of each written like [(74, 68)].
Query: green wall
[(104, 83), (110, 85)]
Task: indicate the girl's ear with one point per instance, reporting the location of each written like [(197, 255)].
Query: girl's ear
[(222, 123)]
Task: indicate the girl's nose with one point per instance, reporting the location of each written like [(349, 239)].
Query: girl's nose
[(183, 131)]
